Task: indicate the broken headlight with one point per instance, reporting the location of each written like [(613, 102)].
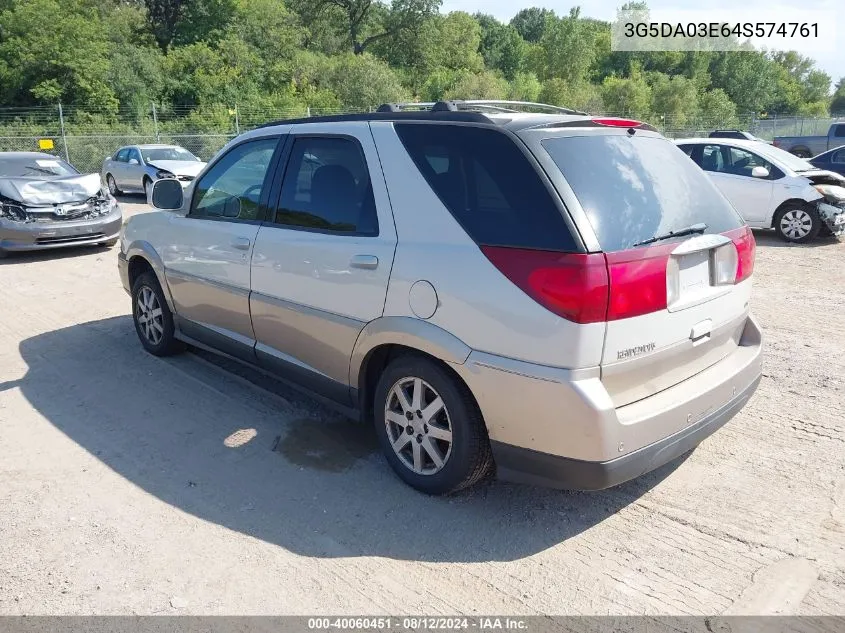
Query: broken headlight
[(14, 212), (834, 194), (102, 204)]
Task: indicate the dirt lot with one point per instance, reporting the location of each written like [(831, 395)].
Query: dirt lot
[(130, 484)]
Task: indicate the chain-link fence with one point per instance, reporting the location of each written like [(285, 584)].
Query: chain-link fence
[(86, 138)]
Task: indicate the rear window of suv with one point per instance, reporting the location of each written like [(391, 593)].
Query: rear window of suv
[(635, 187), (488, 185)]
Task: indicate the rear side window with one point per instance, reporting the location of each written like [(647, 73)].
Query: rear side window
[(840, 131), (327, 187), (633, 188), (488, 185)]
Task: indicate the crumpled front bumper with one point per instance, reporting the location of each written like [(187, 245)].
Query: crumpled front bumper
[(833, 217), (35, 236)]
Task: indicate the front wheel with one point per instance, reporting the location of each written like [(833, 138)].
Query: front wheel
[(797, 223), (153, 319), (429, 427), (112, 185)]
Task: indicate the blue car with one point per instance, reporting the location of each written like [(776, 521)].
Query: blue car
[(832, 160)]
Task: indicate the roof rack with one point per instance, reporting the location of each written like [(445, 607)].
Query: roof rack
[(477, 105)]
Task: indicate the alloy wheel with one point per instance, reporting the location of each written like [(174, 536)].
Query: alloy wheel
[(418, 426), (796, 224), (149, 315)]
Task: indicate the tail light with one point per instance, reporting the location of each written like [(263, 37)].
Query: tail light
[(572, 285), (637, 281), (746, 248), (776, 143), (596, 287), (618, 122)]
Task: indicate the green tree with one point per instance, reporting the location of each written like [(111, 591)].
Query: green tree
[(628, 96), (748, 78), (362, 81), (717, 109), (204, 20), (673, 97), (531, 23), (483, 85), (135, 62), (837, 104), (164, 17), (578, 96), (52, 51), (368, 21), (501, 45), (525, 87), (568, 47), (455, 43)]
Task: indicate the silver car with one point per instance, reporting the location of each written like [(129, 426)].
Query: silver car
[(132, 169), (45, 203), (557, 298)]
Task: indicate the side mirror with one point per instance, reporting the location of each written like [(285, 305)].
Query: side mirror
[(166, 195), (759, 172), (133, 161)]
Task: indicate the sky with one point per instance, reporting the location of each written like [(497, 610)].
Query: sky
[(830, 61)]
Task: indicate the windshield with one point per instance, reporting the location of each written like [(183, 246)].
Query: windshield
[(790, 161), (35, 166), (633, 188), (153, 154)]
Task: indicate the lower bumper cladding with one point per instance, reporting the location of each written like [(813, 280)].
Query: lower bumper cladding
[(523, 465)]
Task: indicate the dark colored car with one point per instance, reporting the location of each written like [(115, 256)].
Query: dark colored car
[(45, 203), (831, 160)]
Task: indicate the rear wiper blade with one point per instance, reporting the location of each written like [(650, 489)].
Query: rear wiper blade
[(692, 229)]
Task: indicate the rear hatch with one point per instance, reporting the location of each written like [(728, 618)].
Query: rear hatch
[(678, 256)]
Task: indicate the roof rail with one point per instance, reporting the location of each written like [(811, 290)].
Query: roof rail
[(479, 105)]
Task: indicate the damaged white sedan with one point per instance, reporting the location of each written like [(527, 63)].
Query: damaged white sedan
[(45, 203), (771, 188)]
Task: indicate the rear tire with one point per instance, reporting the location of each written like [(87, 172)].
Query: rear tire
[(797, 223), (153, 319), (447, 448), (802, 153)]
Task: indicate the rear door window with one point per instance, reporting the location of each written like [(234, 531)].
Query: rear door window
[(327, 187), (123, 155), (633, 188), (488, 184)]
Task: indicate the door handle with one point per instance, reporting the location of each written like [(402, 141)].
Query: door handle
[(241, 243), (367, 262)]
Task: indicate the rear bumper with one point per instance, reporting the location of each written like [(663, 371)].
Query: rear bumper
[(524, 465), (560, 428), (36, 236)]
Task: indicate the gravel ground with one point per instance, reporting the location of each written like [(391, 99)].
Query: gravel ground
[(136, 485)]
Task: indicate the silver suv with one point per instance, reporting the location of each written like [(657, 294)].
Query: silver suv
[(557, 298)]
